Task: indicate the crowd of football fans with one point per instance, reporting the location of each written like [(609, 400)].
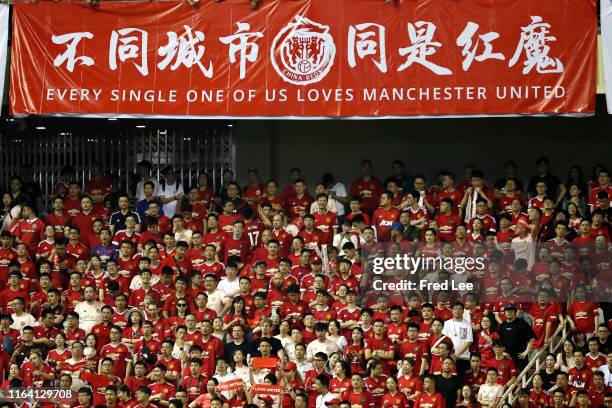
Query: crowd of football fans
[(168, 293)]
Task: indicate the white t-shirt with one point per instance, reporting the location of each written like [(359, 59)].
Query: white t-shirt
[(225, 378), (524, 248), (340, 191), (216, 300), (140, 188), (314, 347), (607, 374), (228, 287), (26, 319), (170, 190), (89, 315), (323, 399), (487, 394), (460, 333)]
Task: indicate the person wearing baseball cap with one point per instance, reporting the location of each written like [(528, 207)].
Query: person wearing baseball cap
[(517, 336)]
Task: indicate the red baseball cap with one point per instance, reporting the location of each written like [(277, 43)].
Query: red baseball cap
[(290, 366), (316, 260)]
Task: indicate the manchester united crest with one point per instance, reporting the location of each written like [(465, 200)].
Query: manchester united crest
[(303, 51)]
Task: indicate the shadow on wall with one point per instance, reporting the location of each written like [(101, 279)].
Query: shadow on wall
[(426, 146)]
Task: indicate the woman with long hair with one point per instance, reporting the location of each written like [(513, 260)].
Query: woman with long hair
[(132, 333), (333, 334), (467, 399), (485, 338), (565, 358), (393, 398), (549, 372), (14, 379), (538, 394), (237, 315), (342, 378), (239, 367), (60, 352), (284, 333), (376, 381), (354, 352), (409, 383)]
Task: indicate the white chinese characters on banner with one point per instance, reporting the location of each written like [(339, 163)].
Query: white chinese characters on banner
[(422, 46), (243, 42), (470, 48), (129, 47), (533, 43), (184, 50), (367, 39), (69, 56)]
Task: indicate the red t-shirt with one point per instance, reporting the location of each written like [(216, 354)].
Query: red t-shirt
[(382, 220)]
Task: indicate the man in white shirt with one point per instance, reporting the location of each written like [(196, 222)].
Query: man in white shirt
[(460, 332), (90, 310), (230, 284), (336, 192), (143, 169), (322, 343), (20, 317), (490, 393), (217, 299), (321, 385), (170, 192), (303, 365)]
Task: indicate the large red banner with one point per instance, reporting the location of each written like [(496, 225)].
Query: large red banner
[(305, 58)]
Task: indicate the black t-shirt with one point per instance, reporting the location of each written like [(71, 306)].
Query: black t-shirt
[(515, 336), (229, 348), (549, 380), (552, 182), (275, 343), (448, 387)]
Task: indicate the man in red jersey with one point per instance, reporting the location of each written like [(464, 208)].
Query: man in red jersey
[(580, 377), (545, 318), (603, 184), (29, 230), (414, 349), (447, 221), (12, 291), (298, 204), (358, 395), (478, 190), (380, 347), (58, 218), (384, 217), (449, 191), (367, 187), (85, 219), (236, 244), (429, 398), (312, 236), (325, 220), (505, 366), (118, 351), (7, 255)]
